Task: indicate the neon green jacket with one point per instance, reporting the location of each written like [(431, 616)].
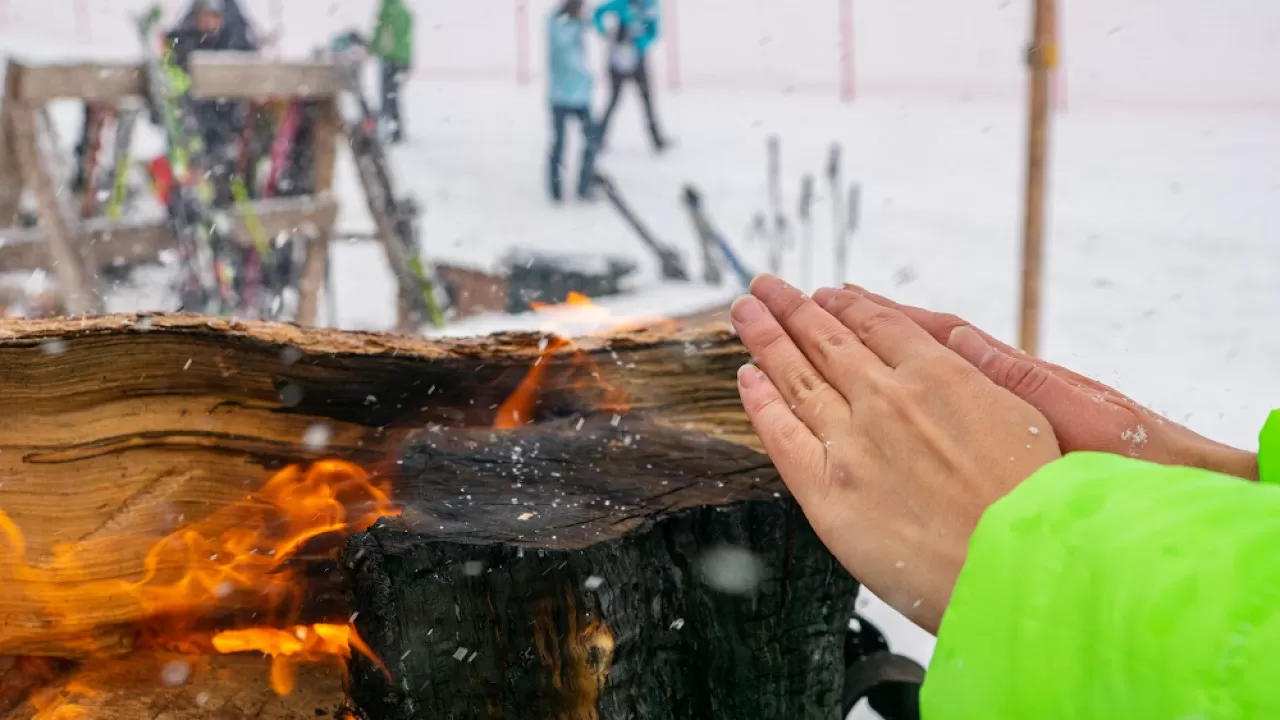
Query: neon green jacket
[(1105, 587), (393, 36)]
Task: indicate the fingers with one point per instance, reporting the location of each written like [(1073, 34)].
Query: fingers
[(794, 449), (939, 325), (887, 332), (806, 392), (1018, 374), (833, 349)]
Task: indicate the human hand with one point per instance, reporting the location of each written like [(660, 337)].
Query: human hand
[(893, 446), (1085, 414)]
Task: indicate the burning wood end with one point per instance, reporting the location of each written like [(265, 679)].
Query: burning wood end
[(230, 568)]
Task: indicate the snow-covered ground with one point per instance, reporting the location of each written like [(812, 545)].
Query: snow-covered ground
[(1161, 274)]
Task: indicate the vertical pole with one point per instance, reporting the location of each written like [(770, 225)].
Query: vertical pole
[(522, 42), (846, 50), (1041, 58), (672, 23)]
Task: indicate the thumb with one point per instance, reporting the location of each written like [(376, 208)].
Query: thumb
[(1019, 375)]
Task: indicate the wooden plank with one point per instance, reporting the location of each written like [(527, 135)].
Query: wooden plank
[(109, 81), (245, 75), (63, 230), (324, 148), (132, 242), (1041, 58), (213, 75), (10, 178)]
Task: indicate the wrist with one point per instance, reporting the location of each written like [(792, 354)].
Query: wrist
[(1226, 460)]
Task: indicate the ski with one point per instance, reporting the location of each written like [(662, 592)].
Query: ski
[(672, 264), (207, 283), (121, 160), (709, 235), (835, 179), (395, 215)]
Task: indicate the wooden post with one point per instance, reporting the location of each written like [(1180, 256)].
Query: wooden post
[(1041, 58), (36, 147), (10, 181), (315, 267)]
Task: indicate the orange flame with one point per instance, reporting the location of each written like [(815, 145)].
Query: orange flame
[(236, 558), (519, 407), (304, 643)]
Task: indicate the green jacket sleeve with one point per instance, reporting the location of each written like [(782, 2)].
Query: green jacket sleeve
[(1105, 587)]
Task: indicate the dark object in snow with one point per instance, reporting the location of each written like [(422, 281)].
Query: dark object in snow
[(672, 264), (548, 278), (713, 242), (560, 570), (890, 683)]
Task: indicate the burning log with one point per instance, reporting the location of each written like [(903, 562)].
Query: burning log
[(599, 567), (124, 433), (182, 484)]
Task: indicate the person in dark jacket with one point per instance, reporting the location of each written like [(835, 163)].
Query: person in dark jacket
[(569, 91), (635, 28), (206, 27), (393, 46)]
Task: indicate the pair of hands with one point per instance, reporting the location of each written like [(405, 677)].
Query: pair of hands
[(896, 428)]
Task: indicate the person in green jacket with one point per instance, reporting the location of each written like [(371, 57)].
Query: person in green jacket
[(1078, 555), (393, 46)]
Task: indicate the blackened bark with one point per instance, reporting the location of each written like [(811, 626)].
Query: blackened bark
[(596, 568)]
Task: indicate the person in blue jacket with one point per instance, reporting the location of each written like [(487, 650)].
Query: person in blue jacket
[(569, 90), (634, 29)]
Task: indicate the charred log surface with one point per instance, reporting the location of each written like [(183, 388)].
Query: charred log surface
[(580, 569), (120, 429)]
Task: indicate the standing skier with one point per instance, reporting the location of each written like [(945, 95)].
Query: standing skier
[(205, 27), (393, 46), (569, 90), (635, 28)]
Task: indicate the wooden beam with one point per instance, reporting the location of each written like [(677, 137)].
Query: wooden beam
[(63, 236), (1041, 57), (213, 75), (10, 177), (92, 81), (315, 271), (245, 75), (131, 242)]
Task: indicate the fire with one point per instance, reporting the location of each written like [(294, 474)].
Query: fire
[(211, 572), (519, 407), (304, 643)]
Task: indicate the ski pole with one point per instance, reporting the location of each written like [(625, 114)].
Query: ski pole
[(852, 215), (806, 231), (838, 218)]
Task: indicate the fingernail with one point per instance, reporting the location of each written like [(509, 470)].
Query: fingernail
[(825, 296), (747, 309), (749, 376), (767, 286)]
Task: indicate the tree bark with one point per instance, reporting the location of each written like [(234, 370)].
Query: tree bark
[(120, 428), (596, 568)]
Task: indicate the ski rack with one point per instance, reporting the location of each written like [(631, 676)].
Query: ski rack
[(74, 248)]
